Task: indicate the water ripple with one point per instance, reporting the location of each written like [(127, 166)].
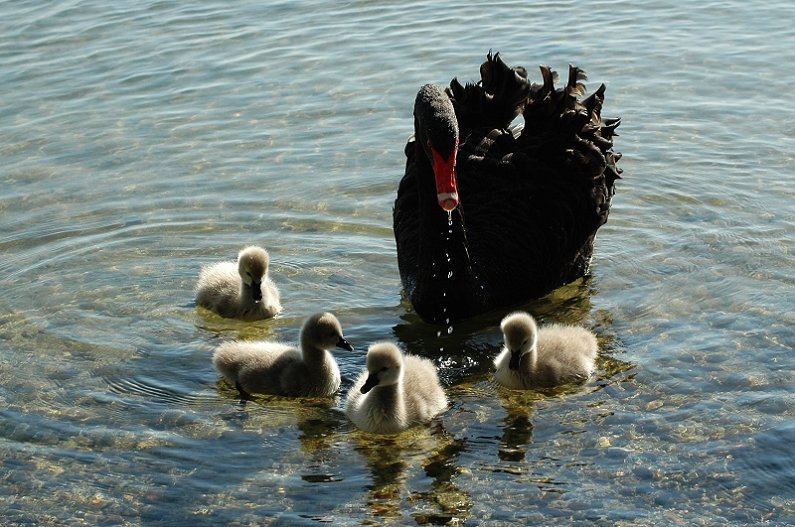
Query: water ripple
[(162, 392)]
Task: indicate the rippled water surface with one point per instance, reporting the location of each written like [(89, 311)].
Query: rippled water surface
[(140, 140)]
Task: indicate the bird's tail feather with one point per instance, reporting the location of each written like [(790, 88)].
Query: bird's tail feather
[(495, 100)]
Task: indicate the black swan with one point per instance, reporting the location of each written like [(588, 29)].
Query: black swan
[(488, 216)]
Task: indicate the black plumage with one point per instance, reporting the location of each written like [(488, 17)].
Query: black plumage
[(526, 203)]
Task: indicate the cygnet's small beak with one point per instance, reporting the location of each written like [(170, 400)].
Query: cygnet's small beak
[(256, 291), (370, 383), (516, 358), (344, 344)]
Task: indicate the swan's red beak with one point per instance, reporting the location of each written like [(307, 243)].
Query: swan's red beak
[(444, 170)]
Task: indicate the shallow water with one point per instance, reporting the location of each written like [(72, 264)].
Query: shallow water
[(141, 140)]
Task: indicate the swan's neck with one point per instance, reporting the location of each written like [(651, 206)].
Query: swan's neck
[(390, 398), (446, 274), (246, 295), (314, 355), (529, 360)]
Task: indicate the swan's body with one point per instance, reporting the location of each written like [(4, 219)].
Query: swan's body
[(240, 289), (280, 369), (395, 391), (485, 218), (551, 355)]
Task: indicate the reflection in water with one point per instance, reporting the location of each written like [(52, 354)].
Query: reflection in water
[(222, 327), (517, 435), (388, 477), (517, 429), (320, 425), (318, 420), (392, 460), (454, 504)]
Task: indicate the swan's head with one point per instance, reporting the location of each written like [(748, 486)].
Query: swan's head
[(521, 335), (437, 130), (252, 264), (384, 365), (323, 331)]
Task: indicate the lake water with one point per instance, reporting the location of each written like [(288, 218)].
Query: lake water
[(140, 140)]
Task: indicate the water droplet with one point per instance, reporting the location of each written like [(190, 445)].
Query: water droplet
[(449, 330), (439, 333), (450, 274)]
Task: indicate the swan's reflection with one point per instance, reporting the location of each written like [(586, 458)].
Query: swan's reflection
[(317, 419), (517, 434), (230, 328), (393, 460), (517, 428)]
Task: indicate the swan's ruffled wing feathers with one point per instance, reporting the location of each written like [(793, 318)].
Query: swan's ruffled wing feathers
[(567, 135), (494, 101), (555, 180)]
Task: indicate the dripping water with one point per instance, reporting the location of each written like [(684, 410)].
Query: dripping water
[(448, 260)]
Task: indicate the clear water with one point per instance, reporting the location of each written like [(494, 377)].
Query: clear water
[(140, 140)]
